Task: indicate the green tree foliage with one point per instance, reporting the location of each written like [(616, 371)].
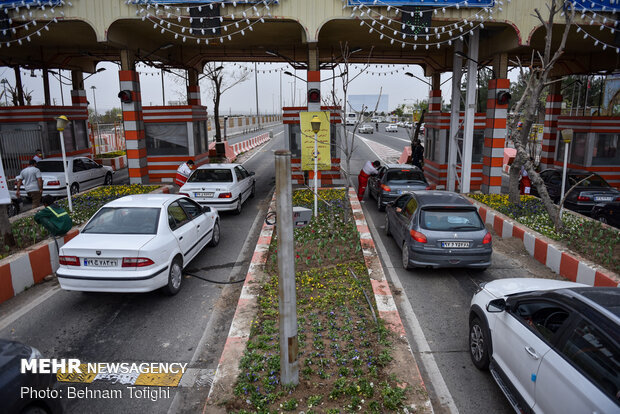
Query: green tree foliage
[(575, 88), (110, 116)]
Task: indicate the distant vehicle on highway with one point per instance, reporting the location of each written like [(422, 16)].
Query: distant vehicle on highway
[(376, 119), (366, 129), (391, 128), (351, 118), (138, 243), (438, 229), (552, 346)]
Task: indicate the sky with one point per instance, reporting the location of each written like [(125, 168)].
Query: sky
[(388, 80)]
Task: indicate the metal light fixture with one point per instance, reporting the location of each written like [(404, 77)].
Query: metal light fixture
[(316, 124), (567, 137), (61, 124)]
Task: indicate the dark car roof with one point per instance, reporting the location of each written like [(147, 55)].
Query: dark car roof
[(440, 199), (572, 172)]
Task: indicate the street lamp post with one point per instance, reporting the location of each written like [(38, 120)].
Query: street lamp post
[(316, 127), (61, 123), (567, 137), (256, 85)]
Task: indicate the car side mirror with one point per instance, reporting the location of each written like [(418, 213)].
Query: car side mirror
[(252, 173), (206, 209), (496, 306)]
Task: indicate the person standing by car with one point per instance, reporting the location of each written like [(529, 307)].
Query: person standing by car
[(417, 155), (362, 179), (183, 172), (33, 183), (525, 184)]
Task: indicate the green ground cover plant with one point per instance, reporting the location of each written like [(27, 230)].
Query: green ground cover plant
[(27, 232), (589, 238), (343, 352)]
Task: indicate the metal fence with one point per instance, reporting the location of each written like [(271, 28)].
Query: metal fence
[(17, 149)]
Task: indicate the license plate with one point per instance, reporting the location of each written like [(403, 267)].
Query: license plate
[(203, 194), (455, 245), (603, 198), (101, 262)]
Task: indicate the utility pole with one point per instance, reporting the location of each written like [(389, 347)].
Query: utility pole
[(256, 84), (287, 301)]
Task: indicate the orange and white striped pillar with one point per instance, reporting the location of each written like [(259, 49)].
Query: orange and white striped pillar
[(553, 108), (135, 139), (193, 88), (494, 138), (78, 93), (434, 96)]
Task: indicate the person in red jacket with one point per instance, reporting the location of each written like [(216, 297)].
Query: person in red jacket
[(183, 172), (362, 179)]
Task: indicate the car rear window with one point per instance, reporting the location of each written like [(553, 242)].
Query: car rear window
[(404, 176), (50, 166), (595, 181), (449, 219), (124, 220), (211, 175)]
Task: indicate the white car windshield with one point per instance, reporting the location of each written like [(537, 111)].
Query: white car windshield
[(124, 220), (212, 175), (50, 166)]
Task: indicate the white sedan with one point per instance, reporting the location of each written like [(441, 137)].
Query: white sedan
[(222, 186), (138, 243), (552, 346), (83, 174), (391, 128)]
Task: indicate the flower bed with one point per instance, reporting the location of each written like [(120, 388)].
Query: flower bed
[(343, 353), (27, 232), (595, 242)]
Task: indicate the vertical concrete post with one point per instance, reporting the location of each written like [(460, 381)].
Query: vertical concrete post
[(193, 88), (78, 93), (470, 111), (455, 109), (287, 306)]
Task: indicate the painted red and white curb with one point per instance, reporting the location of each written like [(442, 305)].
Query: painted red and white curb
[(543, 249), (247, 145), (247, 307), (29, 267)]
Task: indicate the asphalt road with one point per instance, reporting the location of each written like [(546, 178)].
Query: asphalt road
[(192, 326)]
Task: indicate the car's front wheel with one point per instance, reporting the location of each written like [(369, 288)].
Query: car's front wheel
[(253, 191), (405, 256), (215, 238), (602, 219), (175, 278), (75, 188), (479, 344)]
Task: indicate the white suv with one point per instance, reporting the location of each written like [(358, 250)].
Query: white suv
[(222, 186), (552, 346)]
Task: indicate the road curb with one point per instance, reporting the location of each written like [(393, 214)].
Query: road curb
[(247, 308), (233, 151), (557, 258), (31, 266)]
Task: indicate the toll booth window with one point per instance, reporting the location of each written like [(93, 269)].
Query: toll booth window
[(605, 150), (166, 139)]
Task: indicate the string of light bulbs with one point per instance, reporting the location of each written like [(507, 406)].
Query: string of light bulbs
[(27, 20)]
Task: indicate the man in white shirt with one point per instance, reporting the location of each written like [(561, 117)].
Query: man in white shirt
[(33, 183), (362, 179)]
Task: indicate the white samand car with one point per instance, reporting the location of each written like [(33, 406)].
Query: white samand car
[(391, 128), (552, 346), (138, 243), (222, 186), (83, 174)]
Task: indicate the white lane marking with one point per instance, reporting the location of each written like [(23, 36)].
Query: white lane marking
[(9, 319), (257, 152), (424, 349), (234, 275)]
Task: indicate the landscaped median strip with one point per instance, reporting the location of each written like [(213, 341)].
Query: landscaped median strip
[(247, 308), (22, 270), (561, 261)]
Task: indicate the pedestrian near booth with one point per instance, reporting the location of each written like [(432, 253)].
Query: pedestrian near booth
[(33, 183), (38, 155), (362, 179), (417, 156), (183, 172)]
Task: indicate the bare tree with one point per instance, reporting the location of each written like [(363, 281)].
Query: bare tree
[(525, 109), (221, 81)]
